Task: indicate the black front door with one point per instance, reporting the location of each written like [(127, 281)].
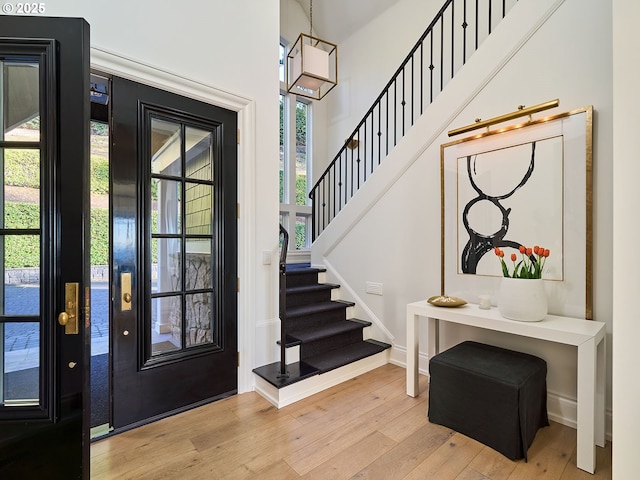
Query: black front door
[(174, 204), (44, 145)]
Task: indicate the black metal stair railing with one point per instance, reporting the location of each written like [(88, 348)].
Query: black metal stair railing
[(453, 35)]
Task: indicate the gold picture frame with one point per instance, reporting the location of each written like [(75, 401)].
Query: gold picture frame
[(525, 184)]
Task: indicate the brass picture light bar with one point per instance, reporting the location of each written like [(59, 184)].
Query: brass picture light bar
[(521, 112)]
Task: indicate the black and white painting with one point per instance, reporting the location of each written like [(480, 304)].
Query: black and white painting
[(506, 198), (523, 185)]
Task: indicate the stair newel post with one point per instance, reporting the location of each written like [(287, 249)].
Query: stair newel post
[(283, 303)]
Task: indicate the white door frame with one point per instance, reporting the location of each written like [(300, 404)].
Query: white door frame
[(118, 65)]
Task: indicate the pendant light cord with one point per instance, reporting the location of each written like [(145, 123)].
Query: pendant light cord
[(311, 18)]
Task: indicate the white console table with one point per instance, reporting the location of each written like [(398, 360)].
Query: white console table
[(587, 335)]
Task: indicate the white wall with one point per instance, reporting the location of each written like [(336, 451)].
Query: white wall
[(626, 281), (218, 46), (396, 237)]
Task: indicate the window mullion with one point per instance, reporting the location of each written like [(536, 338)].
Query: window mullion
[(291, 153)]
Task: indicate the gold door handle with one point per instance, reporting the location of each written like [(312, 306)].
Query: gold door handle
[(125, 286), (69, 318)]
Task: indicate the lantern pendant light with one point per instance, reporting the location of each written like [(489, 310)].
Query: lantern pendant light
[(312, 64)]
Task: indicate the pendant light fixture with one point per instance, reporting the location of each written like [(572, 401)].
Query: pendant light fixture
[(312, 64)]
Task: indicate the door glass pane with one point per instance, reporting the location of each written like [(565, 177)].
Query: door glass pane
[(199, 154), (20, 361), (168, 265), (20, 84), (21, 188), (165, 148), (198, 271), (199, 318), (166, 316), (198, 204), (165, 206), (21, 274)]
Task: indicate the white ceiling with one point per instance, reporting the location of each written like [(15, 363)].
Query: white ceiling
[(335, 20)]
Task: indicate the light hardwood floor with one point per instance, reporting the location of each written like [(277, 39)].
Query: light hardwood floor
[(364, 428)]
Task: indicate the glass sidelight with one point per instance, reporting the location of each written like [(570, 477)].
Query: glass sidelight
[(181, 256), (21, 152)]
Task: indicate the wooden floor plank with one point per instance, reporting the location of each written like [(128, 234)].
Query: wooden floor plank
[(364, 428), (408, 454), (493, 464), (449, 460), (351, 460)]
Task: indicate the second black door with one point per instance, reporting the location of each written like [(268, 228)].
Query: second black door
[(174, 265)]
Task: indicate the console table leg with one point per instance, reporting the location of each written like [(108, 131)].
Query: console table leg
[(600, 392), (412, 355), (587, 368)]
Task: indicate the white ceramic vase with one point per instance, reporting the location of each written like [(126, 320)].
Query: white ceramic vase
[(522, 299)]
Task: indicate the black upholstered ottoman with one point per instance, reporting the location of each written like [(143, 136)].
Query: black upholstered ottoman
[(494, 395)]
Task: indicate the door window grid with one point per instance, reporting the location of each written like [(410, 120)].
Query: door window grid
[(21, 328), (182, 295)]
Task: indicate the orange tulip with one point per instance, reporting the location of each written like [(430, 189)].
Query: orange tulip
[(513, 257), (529, 251), (546, 252), (536, 250), (522, 249)]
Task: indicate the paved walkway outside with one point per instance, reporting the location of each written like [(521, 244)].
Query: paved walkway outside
[(22, 339)]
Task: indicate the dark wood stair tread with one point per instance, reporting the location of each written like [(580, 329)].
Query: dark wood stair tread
[(296, 372), (291, 270), (317, 308), (311, 288), (319, 332)]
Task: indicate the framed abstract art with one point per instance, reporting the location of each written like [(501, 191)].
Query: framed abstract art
[(524, 185)]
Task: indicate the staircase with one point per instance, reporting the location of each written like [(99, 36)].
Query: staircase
[(330, 346)]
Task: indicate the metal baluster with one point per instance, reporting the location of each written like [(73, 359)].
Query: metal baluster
[(477, 25), (395, 110), (412, 69), (379, 132), (453, 16), (421, 77), (403, 103), (441, 53), (464, 33), (358, 162), (340, 184), (387, 128), (364, 147), (431, 67), (490, 5), (372, 142)]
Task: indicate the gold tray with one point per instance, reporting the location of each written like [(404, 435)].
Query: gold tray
[(446, 301)]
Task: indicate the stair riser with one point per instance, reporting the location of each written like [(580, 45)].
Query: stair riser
[(317, 318), (302, 279), (297, 299), (308, 350)]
